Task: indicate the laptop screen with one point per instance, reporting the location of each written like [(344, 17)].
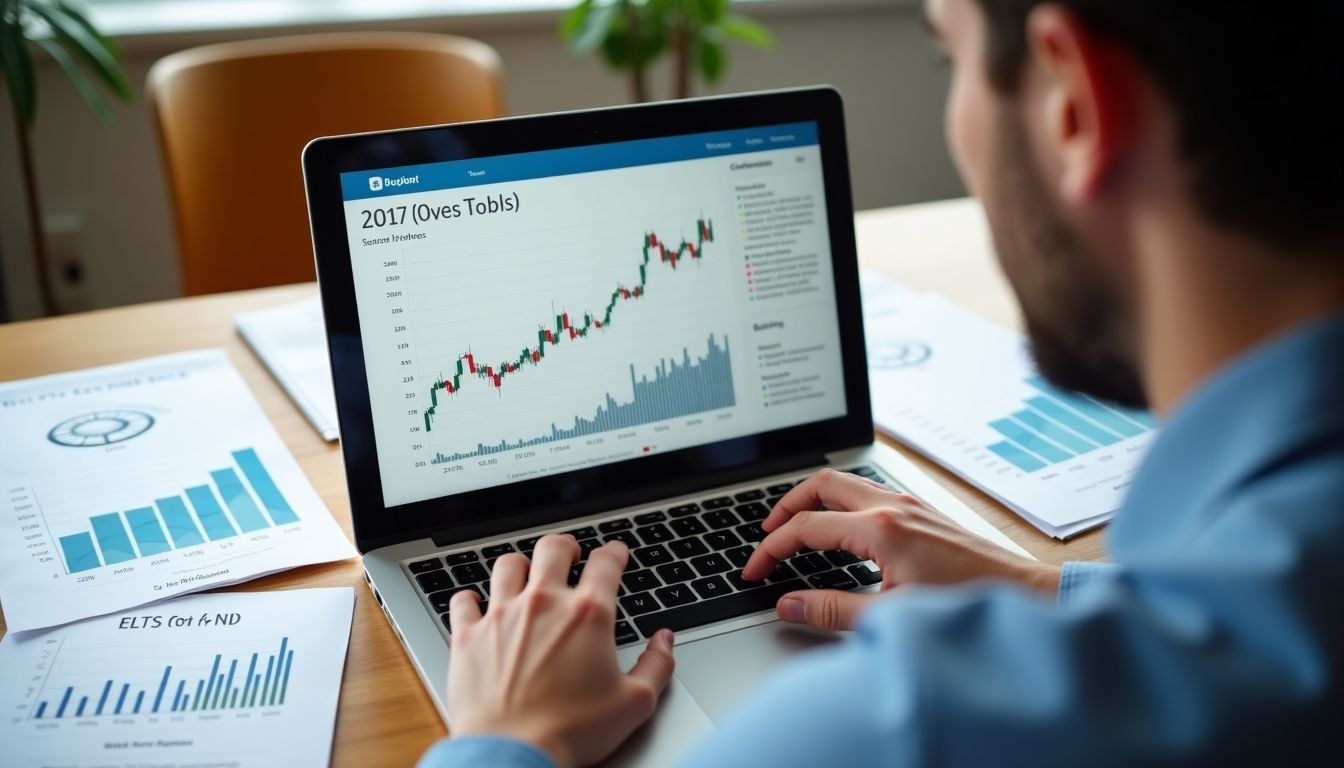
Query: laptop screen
[(533, 314)]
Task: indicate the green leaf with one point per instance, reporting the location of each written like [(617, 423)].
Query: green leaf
[(75, 13), (711, 11), (86, 88), (20, 77), (595, 27), (713, 59), (74, 35), (574, 18), (747, 30), (617, 49)]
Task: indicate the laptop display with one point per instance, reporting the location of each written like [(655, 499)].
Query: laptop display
[(527, 315)]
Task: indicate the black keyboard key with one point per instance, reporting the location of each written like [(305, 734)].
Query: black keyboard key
[(641, 603), (651, 556), (864, 574), (773, 501), (741, 584), (709, 611), (484, 605), (527, 545), (718, 502), (722, 539), (586, 547), (611, 526), (863, 471), (720, 518), (751, 532), (447, 623), (708, 565), (432, 564), (688, 526), (470, 573), (810, 563), (575, 571), (654, 534), (688, 548), (840, 558), (782, 572), (650, 517), (641, 581), (677, 594), (496, 550), (833, 580), (586, 532), (433, 581), (625, 536), (739, 556), (625, 633), (711, 587), (440, 600), (458, 558), (779, 489), (673, 573), (682, 510), (490, 564), (753, 512), (755, 494)]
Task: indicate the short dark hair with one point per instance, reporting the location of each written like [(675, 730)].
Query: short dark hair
[(1256, 88)]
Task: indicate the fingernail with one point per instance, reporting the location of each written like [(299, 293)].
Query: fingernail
[(791, 609), (665, 636)]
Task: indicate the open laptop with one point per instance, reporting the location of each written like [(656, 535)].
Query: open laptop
[(638, 323)]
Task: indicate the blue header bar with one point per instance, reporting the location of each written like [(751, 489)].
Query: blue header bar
[(360, 185)]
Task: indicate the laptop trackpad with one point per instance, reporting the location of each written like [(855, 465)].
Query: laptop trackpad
[(720, 671)]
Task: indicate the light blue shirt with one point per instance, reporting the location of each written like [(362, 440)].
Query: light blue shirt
[(1216, 637)]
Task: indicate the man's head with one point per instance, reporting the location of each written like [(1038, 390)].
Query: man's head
[(1081, 122)]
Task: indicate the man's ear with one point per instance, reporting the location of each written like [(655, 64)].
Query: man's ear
[(1090, 97)]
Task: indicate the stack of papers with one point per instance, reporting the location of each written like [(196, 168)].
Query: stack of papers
[(291, 340), (964, 392)]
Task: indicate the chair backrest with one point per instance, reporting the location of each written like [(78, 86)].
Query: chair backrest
[(233, 120)]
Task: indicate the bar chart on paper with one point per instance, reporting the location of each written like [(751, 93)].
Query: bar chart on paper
[(238, 678), (204, 495)]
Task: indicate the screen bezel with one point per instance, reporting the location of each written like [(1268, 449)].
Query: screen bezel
[(549, 499)]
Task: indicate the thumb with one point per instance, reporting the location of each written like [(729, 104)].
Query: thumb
[(822, 608), (653, 668)]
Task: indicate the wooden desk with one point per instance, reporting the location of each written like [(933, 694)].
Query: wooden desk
[(385, 717)]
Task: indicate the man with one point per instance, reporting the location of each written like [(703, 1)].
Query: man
[(1166, 190)]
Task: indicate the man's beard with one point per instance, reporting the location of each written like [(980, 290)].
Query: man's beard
[(1079, 322)]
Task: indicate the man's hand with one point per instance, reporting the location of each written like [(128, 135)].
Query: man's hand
[(910, 542), (541, 665)]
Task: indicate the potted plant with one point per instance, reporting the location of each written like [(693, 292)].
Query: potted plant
[(88, 59), (632, 34)]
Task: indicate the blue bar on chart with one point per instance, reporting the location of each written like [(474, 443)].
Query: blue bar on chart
[(1056, 426), (112, 538), (211, 515), (239, 501), (79, 552), (261, 481), (181, 529), (175, 525), (148, 534)]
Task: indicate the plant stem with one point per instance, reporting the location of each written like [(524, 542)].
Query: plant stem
[(35, 217), (639, 85), (681, 43)]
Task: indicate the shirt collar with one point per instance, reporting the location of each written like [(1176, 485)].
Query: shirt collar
[(1283, 394)]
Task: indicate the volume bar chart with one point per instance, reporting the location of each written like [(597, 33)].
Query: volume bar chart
[(251, 499), (678, 388), (242, 682), (1055, 427)]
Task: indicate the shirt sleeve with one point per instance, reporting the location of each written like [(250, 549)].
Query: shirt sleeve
[(1196, 660), (1075, 576), (475, 751)]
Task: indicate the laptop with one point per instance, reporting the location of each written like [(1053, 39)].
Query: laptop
[(639, 323)]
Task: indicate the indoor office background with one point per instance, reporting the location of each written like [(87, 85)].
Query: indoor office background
[(103, 192)]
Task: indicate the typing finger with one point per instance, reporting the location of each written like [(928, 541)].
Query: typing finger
[(602, 575), (829, 489), (464, 610), (818, 530), (552, 558), (508, 576)]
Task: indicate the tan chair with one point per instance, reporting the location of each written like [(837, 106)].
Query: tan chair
[(233, 120)]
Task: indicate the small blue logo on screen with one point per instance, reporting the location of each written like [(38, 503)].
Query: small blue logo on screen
[(375, 183)]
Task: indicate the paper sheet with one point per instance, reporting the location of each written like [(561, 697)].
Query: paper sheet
[(291, 341)]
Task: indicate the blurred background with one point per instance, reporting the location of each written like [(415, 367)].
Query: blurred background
[(105, 209)]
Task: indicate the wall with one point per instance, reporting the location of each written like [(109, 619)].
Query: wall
[(106, 184)]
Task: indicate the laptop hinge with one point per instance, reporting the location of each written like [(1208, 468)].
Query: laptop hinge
[(556, 514)]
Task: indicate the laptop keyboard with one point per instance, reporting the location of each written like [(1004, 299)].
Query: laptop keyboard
[(685, 567)]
